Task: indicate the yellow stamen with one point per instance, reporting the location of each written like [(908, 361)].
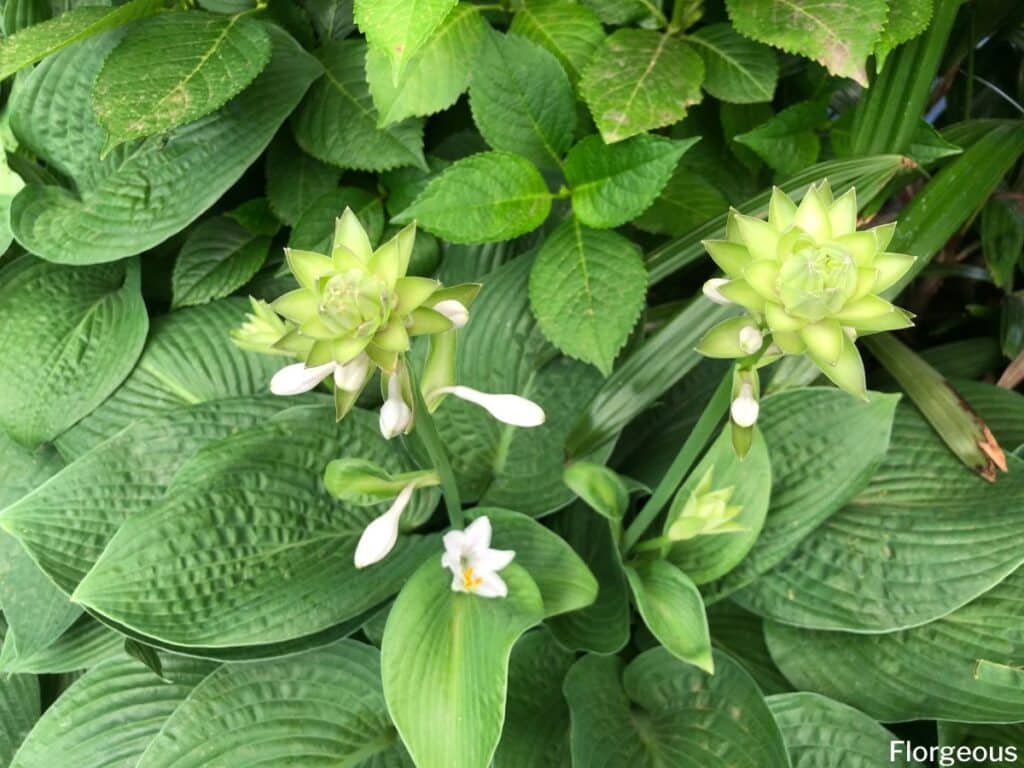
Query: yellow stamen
[(469, 580)]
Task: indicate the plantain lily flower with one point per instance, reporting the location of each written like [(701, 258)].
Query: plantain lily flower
[(381, 535), (474, 565), (509, 409), (396, 414), (706, 511), (809, 280)]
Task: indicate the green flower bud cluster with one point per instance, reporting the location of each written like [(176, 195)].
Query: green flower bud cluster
[(704, 512), (810, 282)]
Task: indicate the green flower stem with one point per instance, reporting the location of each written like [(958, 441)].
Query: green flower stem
[(426, 431), (650, 545), (716, 408)]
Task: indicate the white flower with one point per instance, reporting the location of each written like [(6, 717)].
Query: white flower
[(297, 378), (474, 565), (751, 339), (351, 376), (454, 310), (510, 409), (395, 414), (745, 408), (711, 290), (380, 536)]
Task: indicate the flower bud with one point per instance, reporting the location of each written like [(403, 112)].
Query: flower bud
[(381, 535), (601, 488), (706, 511), (395, 414), (751, 339), (454, 310), (351, 376), (509, 409), (297, 378), (712, 292), (745, 408)]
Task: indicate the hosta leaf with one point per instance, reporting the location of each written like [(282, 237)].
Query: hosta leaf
[(962, 734), (445, 660), (337, 121), (250, 514), (315, 230), (838, 36), (188, 359), (875, 565), (67, 522), (824, 446), (436, 75), (295, 180), (68, 337), (788, 142), (587, 289), (500, 465), (907, 19), (484, 197), (536, 730), (639, 80), (659, 711), (521, 99), (138, 194), (603, 626), (205, 60), (737, 70), (612, 184), (569, 30), (322, 707), (925, 672), (19, 710), (741, 634), (110, 715), (399, 28), (687, 201), (218, 258), (820, 732), (670, 605), (85, 644), (40, 40)]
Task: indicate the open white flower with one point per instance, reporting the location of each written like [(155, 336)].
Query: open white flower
[(395, 414), (381, 535), (296, 378), (510, 409), (474, 565)]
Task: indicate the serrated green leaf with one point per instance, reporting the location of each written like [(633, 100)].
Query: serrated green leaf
[(38, 41), (435, 76), (315, 230), (907, 19), (587, 290), (819, 731), (295, 180), (400, 28), (567, 29), (19, 710), (659, 711), (838, 36), (205, 60), (484, 197), (670, 605), (218, 258), (737, 70), (251, 513), (68, 338), (639, 80), (139, 194), (612, 184), (920, 673), (337, 122), (536, 729), (332, 19), (521, 100), (686, 201), (788, 142), (325, 706), (449, 706), (620, 11)]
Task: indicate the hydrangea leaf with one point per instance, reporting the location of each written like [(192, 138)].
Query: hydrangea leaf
[(569, 30), (737, 70), (788, 141), (315, 230), (907, 19), (400, 28), (218, 257), (295, 180), (686, 202)]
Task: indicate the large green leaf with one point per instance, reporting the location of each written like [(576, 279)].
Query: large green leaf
[(109, 716), (19, 709), (658, 711), (188, 359), (612, 184), (247, 548), (820, 732), (324, 707), (788, 142), (436, 75), (445, 660), (737, 70), (218, 258), (824, 446), (83, 645), (521, 99), (838, 36), (962, 734), (687, 201), (920, 673), (68, 337), (40, 40), (501, 465), (483, 197), (907, 19), (893, 557), (67, 522), (141, 193), (587, 289), (205, 60), (314, 231), (569, 30), (338, 122), (741, 634), (400, 28), (536, 730), (295, 180), (639, 80)]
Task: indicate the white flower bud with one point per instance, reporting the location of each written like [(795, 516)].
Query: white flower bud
[(454, 310), (711, 291), (510, 409), (351, 376), (381, 535), (395, 414), (751, 339), (297, 378), (745, 409)]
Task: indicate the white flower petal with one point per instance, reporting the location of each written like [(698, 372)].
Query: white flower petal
[(751, 339), (745, 409), (352, 375), (454, 310), (491, 585), (454, 545), (510, 409), (478, 537), (297, 378), (711, 291), (493, 559), (457, 583)]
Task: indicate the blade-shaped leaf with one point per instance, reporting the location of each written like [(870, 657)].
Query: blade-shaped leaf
[(19, 710)]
